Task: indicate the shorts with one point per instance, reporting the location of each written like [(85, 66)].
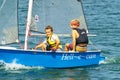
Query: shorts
[(78, 48), (70, 47), (81, 49), (48, 48)]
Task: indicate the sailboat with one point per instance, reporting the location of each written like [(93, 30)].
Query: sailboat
[(57, 13)]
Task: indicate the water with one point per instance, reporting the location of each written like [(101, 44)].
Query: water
[(103, 19)]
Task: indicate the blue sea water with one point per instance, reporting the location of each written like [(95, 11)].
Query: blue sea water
[(103, 19)]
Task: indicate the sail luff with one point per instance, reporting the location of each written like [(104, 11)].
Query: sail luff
[(85, 18), (28, 23)]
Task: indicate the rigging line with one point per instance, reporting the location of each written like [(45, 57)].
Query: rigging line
[(2, 5), (63, 35), (20, 44), (90, 42)]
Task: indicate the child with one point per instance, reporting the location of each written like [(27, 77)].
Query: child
[(52, 42), (79, 38)]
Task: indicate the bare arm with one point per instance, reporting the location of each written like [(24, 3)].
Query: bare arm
[(41, 45), (73, 39)]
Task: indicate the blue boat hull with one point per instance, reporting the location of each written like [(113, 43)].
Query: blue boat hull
[(50, 59)]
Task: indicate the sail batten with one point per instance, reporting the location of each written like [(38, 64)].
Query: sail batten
[(57, 13), (8, 21)]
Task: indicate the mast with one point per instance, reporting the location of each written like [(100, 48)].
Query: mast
[(28, 23)]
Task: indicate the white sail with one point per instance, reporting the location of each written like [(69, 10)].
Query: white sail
[(8, 21), (58, 14)]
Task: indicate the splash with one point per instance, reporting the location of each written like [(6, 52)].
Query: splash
[(15, 66), (103, 60), (111, 60)]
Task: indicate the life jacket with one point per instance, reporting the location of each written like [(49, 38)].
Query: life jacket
[(50, 42), (83, 38)]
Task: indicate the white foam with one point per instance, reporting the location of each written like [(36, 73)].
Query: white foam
[(16, 66), (103, 61)]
